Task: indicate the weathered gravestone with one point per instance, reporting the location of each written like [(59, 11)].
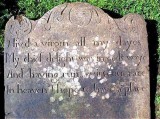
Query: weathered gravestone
[(77, 62)]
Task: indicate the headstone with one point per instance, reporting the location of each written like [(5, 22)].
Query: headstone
[(76, 62)]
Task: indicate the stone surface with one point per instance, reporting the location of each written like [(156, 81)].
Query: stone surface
[(77, 62)]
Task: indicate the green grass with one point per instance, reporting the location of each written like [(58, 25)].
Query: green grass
[(34, 9), (4, 14), (158, 108), (157, 99)]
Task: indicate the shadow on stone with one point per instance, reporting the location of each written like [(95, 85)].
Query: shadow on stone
[(153, 55)]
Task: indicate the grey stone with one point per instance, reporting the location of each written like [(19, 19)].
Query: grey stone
[(77, 62)]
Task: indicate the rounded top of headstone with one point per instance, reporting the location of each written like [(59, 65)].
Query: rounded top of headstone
[(79, 14)]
